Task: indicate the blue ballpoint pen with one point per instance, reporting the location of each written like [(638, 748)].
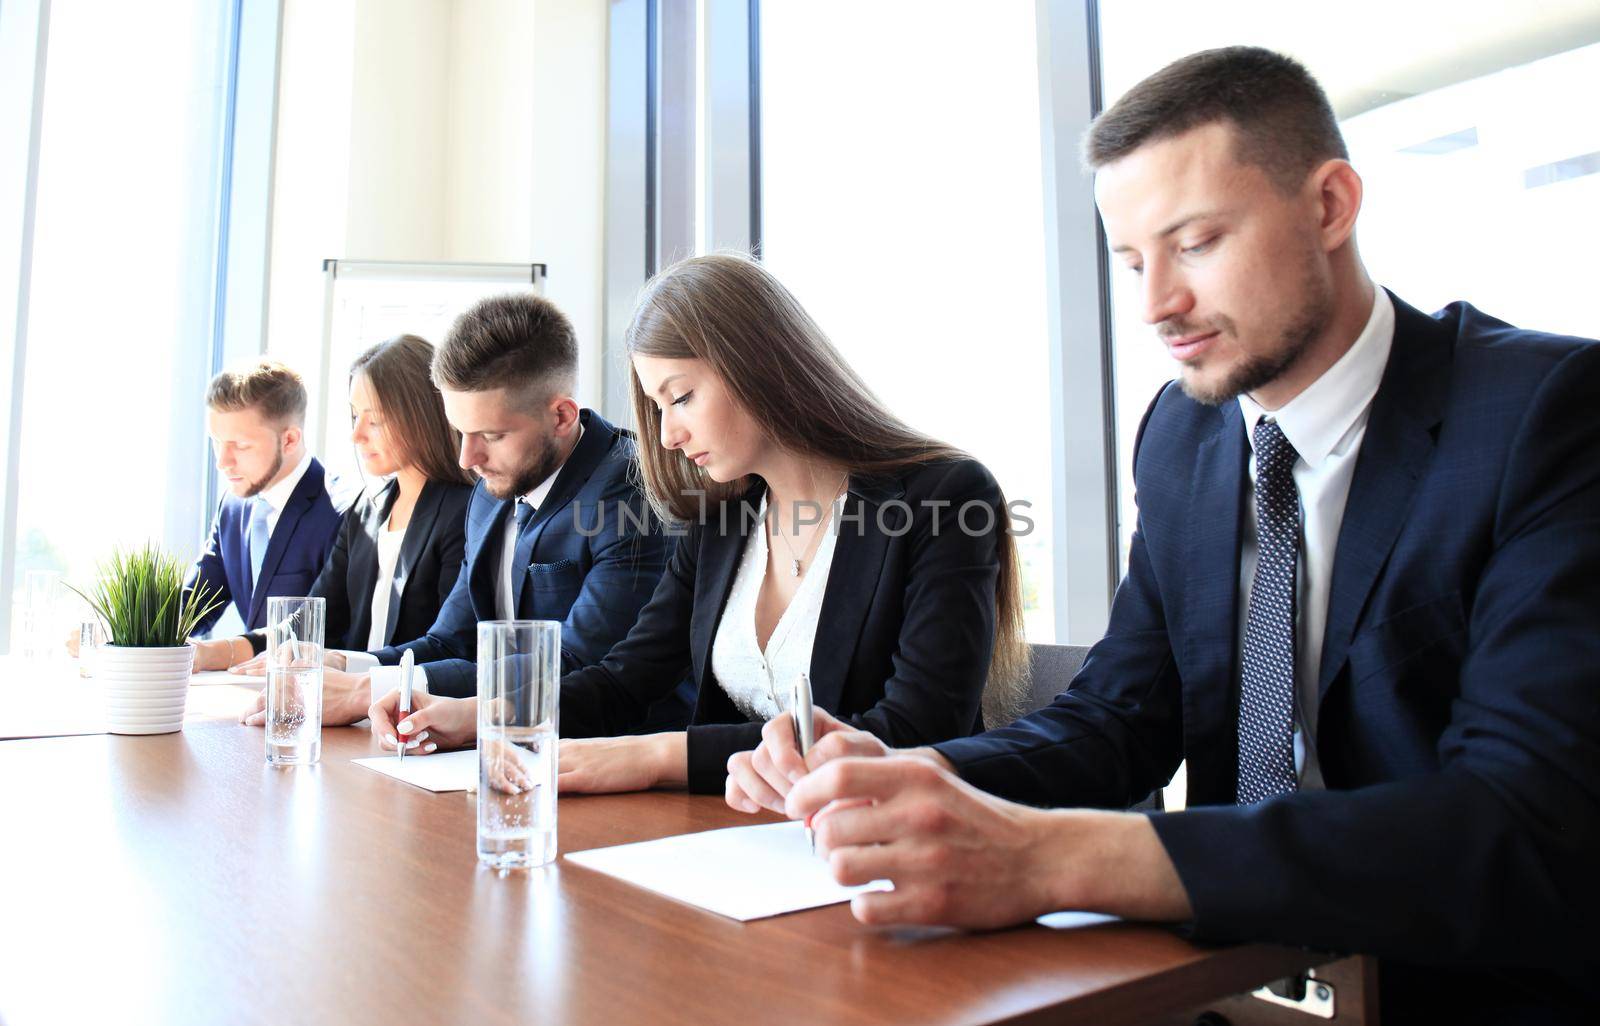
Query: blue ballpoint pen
[(407, 661)]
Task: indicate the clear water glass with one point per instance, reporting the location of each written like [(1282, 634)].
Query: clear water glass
[(294, 680), (519, 682), (41, 615), (88, 642)]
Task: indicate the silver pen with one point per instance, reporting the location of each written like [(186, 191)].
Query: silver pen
[(804, 730), (407, 661)]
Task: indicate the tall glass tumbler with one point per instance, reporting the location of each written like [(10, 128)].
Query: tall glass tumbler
[(41, 615), (519, 683), (294, 680)]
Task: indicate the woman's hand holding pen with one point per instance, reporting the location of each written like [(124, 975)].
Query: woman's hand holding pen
[(761, 779), (434, 722)]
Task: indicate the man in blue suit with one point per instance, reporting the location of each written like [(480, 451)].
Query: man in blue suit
[(275, 527), (1362, 601), (557, 528)]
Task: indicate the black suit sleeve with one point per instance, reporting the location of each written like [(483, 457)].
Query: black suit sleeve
[(1117, 733), (627, 567), (612, 696), (1492, 858), (211, 574)]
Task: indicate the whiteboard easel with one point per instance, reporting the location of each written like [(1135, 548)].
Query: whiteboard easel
[(368, 301)]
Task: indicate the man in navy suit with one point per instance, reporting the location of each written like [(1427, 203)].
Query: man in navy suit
[(1362, 601), (275, 527), (557, 528)]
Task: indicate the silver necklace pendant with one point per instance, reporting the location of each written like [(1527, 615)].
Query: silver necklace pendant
[(795, 571)]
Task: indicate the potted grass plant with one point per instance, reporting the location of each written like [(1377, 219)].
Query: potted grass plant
[(148, 615)]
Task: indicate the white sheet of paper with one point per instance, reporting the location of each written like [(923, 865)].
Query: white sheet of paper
[(224, 677), (743, 873), (54, 709), (447, 771), (1074, 920)]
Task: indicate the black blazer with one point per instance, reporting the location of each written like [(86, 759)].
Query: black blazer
[(430, 558), (1458, 726), (904, 636), (590, 557)]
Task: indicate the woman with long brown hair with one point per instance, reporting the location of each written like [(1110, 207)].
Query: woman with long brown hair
[(822, 535), (400, 545)]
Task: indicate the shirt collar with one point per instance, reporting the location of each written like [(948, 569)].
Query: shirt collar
[(277, 496), (1319, 418), (542, 490)]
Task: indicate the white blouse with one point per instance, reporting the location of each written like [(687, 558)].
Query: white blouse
[(382, 592), (752, 678)]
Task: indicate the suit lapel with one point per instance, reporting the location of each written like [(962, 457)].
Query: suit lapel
[(1211, 606), (300, 502), (859, 552), (483, 576), (236, 555), (361, 566), (423, 517), (713, 578), (598, 436), (1394, 454)]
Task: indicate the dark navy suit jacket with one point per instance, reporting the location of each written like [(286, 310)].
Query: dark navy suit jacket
[(581, 561), (904, 636), (301, 541), (1459, 715), (425, 572)]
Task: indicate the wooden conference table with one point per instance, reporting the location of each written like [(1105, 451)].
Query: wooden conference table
[(178, 879)]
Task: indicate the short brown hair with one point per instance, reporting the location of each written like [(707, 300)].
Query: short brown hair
[(412, 410), (267, 386), (1284, 122), (520, 342)]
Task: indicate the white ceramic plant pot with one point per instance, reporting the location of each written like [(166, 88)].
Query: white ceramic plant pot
[(145, 688)]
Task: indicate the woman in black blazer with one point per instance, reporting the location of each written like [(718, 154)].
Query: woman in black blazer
[(399, 546), (822, 536)]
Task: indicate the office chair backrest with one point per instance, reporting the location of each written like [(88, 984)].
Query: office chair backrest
[(1054, 666)]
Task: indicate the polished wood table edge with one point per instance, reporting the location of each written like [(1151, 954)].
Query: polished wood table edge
[(1027, 974), (1233, 969)]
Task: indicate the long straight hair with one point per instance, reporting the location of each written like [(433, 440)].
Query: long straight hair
[(730, 312), (414, 423)]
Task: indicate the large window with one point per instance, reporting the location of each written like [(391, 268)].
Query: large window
[(902, 202), (122, 302), (1478, 158)]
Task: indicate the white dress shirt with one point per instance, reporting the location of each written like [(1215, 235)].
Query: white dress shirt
[(277, 496), (758, 680), (1325, 424), (389, 543)]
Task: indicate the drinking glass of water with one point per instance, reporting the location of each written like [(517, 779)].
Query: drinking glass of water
[(294, 680), (41, 638), (519, 680)]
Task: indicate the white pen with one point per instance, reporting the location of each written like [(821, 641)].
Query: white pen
[(804, 730), (407, 661)]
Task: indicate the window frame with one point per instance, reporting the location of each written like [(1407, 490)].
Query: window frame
[(238, 275)]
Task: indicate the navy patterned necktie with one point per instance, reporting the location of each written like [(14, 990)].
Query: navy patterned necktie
[(1266, 681)]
